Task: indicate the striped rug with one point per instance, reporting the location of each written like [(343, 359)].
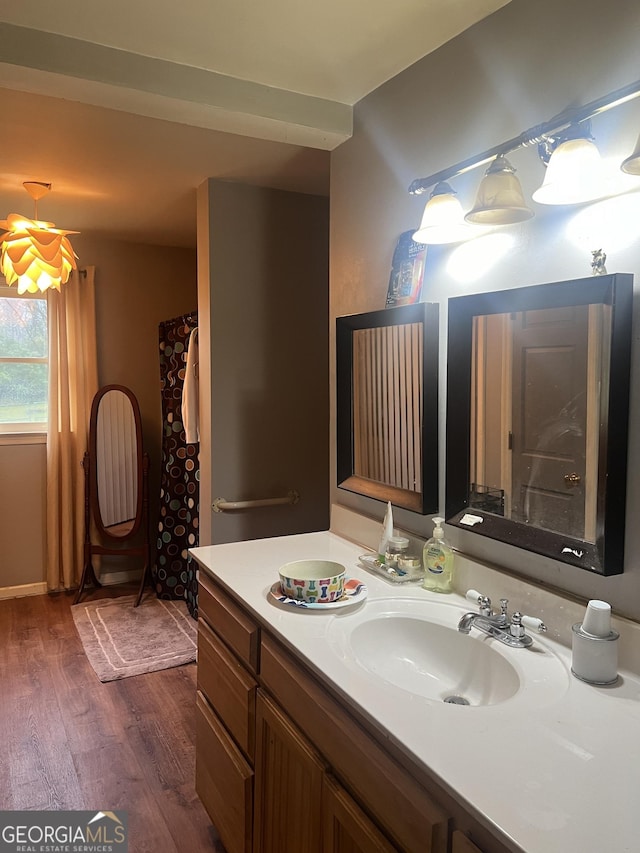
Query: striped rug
[(121, 640)]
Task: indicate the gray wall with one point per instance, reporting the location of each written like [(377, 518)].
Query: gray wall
[(520, 67), (263, 298)]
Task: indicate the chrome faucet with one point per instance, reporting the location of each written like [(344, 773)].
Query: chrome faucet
[(510, 631)]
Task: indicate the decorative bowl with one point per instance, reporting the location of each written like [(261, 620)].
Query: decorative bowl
[(313, 581)]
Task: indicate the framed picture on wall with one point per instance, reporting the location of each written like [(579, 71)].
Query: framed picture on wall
[(407, 271)]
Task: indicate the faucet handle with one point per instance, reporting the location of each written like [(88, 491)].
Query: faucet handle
[(516, 627), (481, 601), (534, 624), (474, 596)]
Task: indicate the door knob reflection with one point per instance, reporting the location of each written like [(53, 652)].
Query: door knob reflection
[(572, 479)]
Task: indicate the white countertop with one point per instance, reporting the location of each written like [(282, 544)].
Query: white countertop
[(554, 769)]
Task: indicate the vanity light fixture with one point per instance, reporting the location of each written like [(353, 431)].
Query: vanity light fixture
[(35, 253), (500, 200), (443, 218)]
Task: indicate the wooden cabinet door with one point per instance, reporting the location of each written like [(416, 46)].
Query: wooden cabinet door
[(407, 811), (224, 780), (288, 786), (462, 844), (346, 828)]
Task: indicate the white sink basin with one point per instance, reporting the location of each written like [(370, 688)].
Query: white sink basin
[(414, 645)]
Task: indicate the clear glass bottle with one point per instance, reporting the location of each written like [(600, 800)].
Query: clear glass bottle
[(396, 547), (438, 561)]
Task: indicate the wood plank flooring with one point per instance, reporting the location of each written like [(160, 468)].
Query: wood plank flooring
[(67, 741)]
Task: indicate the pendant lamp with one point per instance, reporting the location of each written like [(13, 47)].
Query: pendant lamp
[(35, 253), (443, 218), (500, 200)]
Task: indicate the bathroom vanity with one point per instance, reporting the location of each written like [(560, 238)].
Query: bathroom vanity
[(310, 737)]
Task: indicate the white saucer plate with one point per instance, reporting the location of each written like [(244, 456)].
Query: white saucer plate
[(355, 591)]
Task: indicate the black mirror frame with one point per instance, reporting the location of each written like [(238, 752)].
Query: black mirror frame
[(426, 314), (606, 557)]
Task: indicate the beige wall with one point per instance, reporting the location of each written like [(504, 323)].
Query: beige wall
[(137, 286), (520, 67), (24, 485)]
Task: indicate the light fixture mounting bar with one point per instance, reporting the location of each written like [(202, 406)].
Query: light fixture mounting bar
[(533, 135)]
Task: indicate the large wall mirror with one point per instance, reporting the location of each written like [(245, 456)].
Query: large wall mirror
[(387, 405), (116, 474), (537, 415)]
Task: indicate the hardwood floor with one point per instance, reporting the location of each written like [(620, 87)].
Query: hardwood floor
[(67, 741)]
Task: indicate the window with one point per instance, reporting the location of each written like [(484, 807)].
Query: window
[(23, 362)]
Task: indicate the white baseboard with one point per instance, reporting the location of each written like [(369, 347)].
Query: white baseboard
[(106, 579), (23, 589)]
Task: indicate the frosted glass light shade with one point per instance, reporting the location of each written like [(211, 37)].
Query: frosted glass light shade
[(575, 175), (632, 164), (500, 200), (443, 218)]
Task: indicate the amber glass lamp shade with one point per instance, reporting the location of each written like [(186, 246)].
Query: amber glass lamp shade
[(443, 218), (500, 200)]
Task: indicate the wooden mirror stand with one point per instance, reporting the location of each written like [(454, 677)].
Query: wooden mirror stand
[(116, 491)]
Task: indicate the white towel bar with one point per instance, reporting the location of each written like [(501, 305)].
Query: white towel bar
[(223, 505)]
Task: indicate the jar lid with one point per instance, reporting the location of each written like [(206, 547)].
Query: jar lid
[(399, 541)]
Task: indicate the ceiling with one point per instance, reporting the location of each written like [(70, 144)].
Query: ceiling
[(127, 110)]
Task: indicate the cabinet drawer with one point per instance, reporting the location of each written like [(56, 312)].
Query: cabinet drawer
[(229, 688), (239, 632), (407, 813), (224, 780)]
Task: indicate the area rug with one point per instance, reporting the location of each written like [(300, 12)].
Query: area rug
[(121, 640)]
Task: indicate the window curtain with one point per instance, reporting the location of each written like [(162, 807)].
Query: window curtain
[(73, 382)]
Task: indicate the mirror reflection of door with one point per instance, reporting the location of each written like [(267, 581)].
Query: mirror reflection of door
[(387, 405), (536, 410), (549, 418), (117, 463)]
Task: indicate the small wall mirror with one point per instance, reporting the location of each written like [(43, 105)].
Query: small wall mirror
[(115, 477), (537, 412), (387, 405)]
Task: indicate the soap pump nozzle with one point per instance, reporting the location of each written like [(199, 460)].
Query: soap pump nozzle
[(438, 532)]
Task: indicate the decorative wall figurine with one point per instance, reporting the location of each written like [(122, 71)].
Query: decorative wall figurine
[(598, 259)]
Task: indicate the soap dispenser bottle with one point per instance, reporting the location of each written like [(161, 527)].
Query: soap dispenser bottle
[(438, 561)]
